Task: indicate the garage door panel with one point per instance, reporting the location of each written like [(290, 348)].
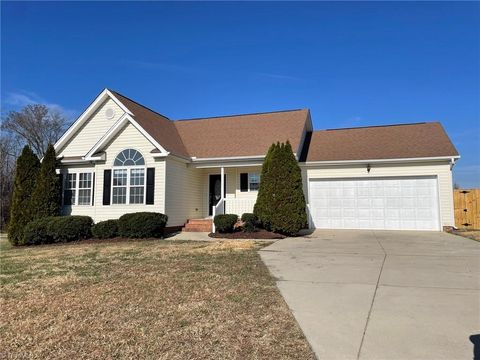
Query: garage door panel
[(392, 224), (408, 214), (378, 203), (393, 202), (385, 203), (408, 202), (348, 192), (408, 191), (408, 224), (335, 213), (350, 213), (392, 214), (378, 213)]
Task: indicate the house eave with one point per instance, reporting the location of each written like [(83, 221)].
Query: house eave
[(380, 161)]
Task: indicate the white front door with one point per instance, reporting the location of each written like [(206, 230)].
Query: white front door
[(383, 203)]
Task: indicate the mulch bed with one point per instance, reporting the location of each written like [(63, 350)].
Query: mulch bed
[(239, 234)]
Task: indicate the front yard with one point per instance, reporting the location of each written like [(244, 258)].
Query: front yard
[(149, 299)]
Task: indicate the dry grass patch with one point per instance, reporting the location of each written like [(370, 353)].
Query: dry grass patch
[(152, 299), (470, 234)]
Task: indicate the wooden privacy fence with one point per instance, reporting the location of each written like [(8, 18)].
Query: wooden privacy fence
[(467, 208)]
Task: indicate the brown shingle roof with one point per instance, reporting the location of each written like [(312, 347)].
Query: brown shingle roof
[(381, 142), (252, 134), (224, 136), (158, 126), (241, 135)]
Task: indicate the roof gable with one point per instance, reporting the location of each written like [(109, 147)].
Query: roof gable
[(79, 124)]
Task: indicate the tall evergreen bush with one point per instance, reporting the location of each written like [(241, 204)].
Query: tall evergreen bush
[(281, 203), (46, 196), (263, 208), (21, 212)]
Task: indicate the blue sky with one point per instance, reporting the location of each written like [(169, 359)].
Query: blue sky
[(352, 64)]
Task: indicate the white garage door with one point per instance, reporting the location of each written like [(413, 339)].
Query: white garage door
[(383, 203)]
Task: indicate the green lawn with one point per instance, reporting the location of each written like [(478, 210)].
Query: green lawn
[(148, 299)]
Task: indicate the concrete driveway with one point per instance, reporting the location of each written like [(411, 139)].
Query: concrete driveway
[(381, 294)]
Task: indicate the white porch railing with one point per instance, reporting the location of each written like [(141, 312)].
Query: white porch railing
[(239, 206)]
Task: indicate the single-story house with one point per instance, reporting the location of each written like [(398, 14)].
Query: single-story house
[(120, 157)]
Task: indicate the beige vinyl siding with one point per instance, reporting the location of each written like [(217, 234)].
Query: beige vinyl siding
[(91, 131), (183, 192), (128, 138), (439, 169)]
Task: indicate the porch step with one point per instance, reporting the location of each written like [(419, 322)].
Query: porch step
[(198, 225)]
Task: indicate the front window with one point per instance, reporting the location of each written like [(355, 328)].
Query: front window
[(137, 186), (69, 189), (128, 182), (84, 188), (253, 181), (77, 189), (119, 186)]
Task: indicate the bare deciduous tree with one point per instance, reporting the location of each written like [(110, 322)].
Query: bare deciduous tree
[(9, 151), (37, 125)]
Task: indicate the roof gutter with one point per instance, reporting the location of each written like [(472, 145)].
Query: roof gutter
[(384, 161), (453, 160), (233, 161)]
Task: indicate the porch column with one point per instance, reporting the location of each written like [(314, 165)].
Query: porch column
[(222, 188), (222, 183)]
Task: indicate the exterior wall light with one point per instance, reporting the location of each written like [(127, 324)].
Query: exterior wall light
[(368, 168)]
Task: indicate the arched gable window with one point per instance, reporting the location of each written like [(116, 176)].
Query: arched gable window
[(129, 157), (128, 181)]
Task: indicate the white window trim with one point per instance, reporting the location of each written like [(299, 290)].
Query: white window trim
[(127, 200), (77, 187)]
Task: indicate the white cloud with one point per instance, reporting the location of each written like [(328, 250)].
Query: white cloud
[(22, 98)]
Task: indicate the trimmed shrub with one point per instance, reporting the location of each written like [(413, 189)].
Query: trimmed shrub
[(56, 229), (142, 225), (46, 197), (225, 223), (71, 228), (24, 184), (37, 232), (280, 205), (250, 222), (105, 229)]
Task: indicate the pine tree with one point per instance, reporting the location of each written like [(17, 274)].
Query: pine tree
[(21, 212), (46, 196), (282, 205)]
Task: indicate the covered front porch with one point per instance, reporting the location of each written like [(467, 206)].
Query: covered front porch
[(225, 190)]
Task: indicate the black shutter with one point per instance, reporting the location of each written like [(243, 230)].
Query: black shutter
[(107, 180), (150, 186), (243, 182), (93, 189), (60, 180)]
